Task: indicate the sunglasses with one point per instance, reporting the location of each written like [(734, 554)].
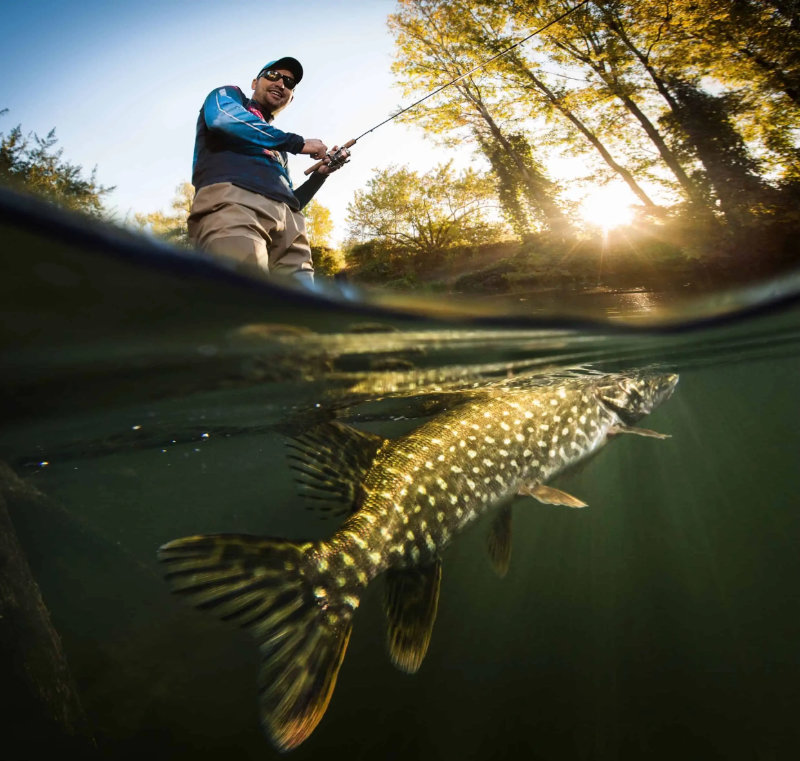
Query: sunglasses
[(274, 76)]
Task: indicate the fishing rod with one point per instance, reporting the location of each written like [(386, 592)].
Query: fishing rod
[(339, 156)]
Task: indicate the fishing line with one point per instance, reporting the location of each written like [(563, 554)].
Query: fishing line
[(336, 156), (476, 68)]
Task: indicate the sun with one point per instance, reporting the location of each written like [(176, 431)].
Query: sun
[(607, 208)]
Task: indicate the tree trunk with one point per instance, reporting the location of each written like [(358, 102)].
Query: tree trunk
[(534, 182), (709, 132), (507, 189), (690, 188), (627, 177)]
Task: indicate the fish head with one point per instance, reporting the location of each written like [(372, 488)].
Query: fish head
[(631, 396)]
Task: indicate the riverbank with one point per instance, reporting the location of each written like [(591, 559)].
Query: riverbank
[(672, 257)]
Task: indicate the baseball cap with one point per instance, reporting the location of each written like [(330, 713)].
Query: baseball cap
[(287, 62)]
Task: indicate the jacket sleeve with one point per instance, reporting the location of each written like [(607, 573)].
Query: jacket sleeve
[(306, 191), (224, 112)]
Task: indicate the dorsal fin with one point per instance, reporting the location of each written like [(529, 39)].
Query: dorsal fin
[(332, 461), (411, 600)]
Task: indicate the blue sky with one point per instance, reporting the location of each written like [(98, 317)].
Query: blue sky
[(122, 84)]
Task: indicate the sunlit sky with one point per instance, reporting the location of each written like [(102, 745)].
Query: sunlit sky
[(122, 84)]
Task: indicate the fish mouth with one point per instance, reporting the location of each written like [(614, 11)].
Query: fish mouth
[(668, 384)]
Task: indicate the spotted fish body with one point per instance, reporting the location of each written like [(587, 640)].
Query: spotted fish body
[(407, 499)]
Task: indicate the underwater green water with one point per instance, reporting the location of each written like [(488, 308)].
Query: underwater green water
[(143, 401), (660, 622)]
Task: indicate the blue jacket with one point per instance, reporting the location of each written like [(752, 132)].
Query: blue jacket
[(236, 143)]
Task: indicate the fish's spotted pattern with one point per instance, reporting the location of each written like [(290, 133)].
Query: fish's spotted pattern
[(539, 431)]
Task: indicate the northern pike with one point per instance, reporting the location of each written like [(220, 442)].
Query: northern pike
[(406, 499)]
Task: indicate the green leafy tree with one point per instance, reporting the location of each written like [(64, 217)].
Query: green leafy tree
[(33, 164), (655, 57), (433, 47), (699, 100), (628, 83), (424, 215), (319, 223), (173, 225), (751, 49), (701, 123), (614, 80), (328, 260), (558, 101), (489, 28)]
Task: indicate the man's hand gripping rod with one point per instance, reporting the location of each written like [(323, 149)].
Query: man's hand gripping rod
[(337, 158)]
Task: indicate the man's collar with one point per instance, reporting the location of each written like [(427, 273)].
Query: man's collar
[(254, 106)]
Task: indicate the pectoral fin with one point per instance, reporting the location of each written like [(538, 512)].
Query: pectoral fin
[(499, 542), (549, 495), (618, 429), (411, 600)]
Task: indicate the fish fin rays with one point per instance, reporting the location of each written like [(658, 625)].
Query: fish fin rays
[(331, 462), (295, 688), (620, 429), (499, 541), (262, 585), (549, 495), (411, 600)]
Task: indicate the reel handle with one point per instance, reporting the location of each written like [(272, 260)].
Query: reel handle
[(316, 166)]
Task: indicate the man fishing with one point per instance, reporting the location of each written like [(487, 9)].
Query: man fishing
[(246, 208)]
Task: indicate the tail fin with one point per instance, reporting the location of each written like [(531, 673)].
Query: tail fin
[(274, 589)]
